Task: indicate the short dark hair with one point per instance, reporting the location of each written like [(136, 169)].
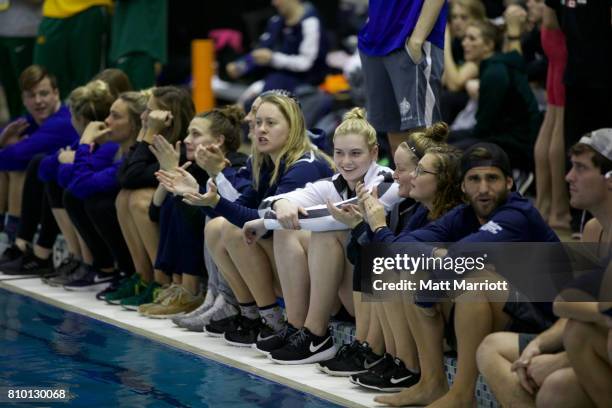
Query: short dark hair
[(599, 160), (33, 75)]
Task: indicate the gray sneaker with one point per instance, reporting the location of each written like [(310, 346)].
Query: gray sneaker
[(209, 300), (220, 310), (76, 274)]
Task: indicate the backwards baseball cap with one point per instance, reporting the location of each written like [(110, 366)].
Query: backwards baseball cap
[(485, 155), (599, 140)]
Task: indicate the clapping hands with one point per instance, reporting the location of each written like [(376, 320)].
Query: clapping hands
[(167, 156)]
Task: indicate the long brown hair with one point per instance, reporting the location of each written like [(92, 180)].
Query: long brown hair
[(448, 176)]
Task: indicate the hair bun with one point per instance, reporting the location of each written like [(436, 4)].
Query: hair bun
[(355, 113), (233, 113), (438, 132)]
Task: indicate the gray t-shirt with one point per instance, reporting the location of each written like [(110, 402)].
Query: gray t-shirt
[(21, 19)]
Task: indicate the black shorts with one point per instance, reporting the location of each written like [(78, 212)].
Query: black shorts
[(524, 339), (525, 318)]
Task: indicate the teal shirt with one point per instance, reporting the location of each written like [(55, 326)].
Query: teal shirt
[(140, 26)]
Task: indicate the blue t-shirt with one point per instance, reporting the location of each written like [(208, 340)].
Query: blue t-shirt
[(391, 22)]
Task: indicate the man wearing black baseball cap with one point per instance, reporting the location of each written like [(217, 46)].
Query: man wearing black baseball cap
[(492, 213)]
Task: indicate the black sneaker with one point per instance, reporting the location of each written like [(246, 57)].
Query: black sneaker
[(10, 254), (351, 359), (217, 328), (28, 264), (246, 333), (344, 352), (396, 379), (303, 347), (385, 364), (93, 280), (269, 340)]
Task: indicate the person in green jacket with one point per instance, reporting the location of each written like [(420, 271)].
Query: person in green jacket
[(139, 39), (507, 112)]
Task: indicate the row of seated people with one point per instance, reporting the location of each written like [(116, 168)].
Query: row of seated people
[(153, 197)]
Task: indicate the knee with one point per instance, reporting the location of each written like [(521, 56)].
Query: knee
[(326, 240), (487, 350), (122, 201), (139, 201), (553, 391), (286, 242), (231, 234), (575, 335), (212, 231)]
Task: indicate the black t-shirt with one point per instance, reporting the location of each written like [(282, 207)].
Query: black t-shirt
[(588, 31)]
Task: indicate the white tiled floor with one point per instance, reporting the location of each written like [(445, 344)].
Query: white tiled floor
[(306, 378)]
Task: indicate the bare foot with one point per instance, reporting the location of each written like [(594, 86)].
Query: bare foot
[(453, 400), (419, 394)]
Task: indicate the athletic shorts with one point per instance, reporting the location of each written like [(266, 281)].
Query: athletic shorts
[(525, 318), (553, 42), (401, 94), (524, 339)]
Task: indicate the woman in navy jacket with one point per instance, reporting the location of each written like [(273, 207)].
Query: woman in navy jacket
[(181, 248)]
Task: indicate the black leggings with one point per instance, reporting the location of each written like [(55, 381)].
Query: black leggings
[(35, 209), (55, 195), (96, 220)]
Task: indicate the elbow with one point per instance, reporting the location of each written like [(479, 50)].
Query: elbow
[(454, 86), (558, 308)]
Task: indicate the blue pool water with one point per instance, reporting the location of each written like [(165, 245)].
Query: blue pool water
[(105, 366)]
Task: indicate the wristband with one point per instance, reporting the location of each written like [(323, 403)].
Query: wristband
[(379, 228)]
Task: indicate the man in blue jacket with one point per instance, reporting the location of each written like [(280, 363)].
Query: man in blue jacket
[(46, 128), (493, 214)]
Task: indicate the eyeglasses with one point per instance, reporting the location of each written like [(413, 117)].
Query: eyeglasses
[(420, 170)]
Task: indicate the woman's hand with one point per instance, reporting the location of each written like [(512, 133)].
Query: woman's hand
[(95, 132), (253, 230), (208, 199), (287, 214), (158, 120), (211, 158), (66, 155), (166, 155), (370, 206), (262, 56), (348, 214), (178, 181)]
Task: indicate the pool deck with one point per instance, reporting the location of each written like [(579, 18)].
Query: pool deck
[(306, 378)]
